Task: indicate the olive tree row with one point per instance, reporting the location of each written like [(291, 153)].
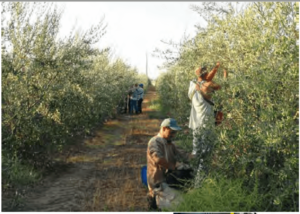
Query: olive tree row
[(258, 138), (53, 88)]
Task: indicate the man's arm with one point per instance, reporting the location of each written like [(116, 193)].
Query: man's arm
[(162, 161), (225, 74), (212, 73), (156, 151)]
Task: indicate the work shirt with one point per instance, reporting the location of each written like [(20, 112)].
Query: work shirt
[(140, 93), (134, 95), (201, 112), (161, 148)]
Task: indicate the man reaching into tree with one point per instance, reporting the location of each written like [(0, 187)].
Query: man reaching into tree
[(202, 119)]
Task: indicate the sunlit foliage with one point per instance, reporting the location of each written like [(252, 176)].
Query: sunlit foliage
[(258, 140), (53, 88)]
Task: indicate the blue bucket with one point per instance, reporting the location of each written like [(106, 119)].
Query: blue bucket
[(144, 175)]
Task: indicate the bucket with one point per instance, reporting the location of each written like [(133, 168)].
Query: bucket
[(144, 175)]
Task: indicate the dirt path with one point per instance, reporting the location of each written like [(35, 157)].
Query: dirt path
[(104, 174)]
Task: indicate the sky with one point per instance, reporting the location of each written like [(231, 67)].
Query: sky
[(134, 28)]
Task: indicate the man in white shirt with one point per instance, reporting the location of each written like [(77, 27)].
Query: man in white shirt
[(202, 118)]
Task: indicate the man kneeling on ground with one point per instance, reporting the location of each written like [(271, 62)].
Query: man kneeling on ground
[(163, 164)]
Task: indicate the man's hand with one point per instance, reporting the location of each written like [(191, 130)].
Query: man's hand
[(218, 64)]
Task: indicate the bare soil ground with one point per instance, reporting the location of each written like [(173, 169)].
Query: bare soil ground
[(101, 173)]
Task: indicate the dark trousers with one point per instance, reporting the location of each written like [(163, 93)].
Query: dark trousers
[(140, 105)]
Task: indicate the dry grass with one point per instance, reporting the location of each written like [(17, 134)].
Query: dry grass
[(118, 186), (119, 192), (82, 158)]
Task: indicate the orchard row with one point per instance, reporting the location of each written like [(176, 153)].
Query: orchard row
[(258, 138)]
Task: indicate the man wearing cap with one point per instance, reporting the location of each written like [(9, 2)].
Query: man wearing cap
[(162, 156), (141, 97)]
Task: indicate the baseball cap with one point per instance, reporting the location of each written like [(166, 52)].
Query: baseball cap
[(171, 123)]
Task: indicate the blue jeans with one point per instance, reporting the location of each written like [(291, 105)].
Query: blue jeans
[(133, 105)]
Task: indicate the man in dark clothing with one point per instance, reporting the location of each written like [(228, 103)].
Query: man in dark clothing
[(140, 97)]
